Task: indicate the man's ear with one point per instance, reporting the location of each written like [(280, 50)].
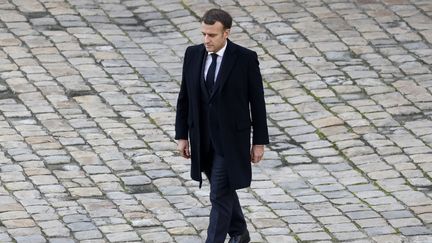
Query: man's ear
[(226, 32)]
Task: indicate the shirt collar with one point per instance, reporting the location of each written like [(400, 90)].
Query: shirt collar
[(221, 52)]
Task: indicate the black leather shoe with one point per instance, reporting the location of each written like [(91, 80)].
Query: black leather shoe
[(243, 238)]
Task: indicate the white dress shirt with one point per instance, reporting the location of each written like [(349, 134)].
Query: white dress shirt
[(220, 54)]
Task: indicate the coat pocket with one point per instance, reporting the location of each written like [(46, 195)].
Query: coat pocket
[(242, 125)]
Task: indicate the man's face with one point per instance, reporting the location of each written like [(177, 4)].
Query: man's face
[(214, 36)]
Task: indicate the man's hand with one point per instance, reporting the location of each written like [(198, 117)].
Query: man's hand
[(257, 153), (183, 148)]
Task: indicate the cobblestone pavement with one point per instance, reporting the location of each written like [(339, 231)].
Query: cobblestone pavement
[(87, 99)]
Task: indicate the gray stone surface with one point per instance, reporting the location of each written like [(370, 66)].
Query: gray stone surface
[(87, 107)]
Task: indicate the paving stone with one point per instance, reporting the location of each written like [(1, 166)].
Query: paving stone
[(384, 230), (397, 214), (314, 236), (159, 173), (280, 238), (122, 237), (404, 222), (272, 231), (390, 238), (185, 239), (346, 227), (88, 234), (5, 238), (60, 240), (30, 238), (416, 230), (157, 236), (43, 180), (420, 238), (16, 223), (57, 232), (145, 222), (81, 226), (85, 192)]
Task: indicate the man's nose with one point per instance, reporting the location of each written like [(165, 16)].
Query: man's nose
[(206, 38)]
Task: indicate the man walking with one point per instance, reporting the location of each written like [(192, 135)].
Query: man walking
[(221, 98)]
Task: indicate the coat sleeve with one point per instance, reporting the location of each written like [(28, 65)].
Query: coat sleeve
[(181, 126), (257, 102)]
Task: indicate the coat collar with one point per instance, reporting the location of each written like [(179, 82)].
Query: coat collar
[(228, 61), (227, 64)]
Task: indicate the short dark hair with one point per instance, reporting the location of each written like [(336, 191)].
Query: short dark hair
[(211, 16)]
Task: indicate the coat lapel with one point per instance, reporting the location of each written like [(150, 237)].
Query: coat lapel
[(198, 68), (228, 61)]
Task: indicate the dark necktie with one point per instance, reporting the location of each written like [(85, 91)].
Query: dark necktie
[(211, 73)]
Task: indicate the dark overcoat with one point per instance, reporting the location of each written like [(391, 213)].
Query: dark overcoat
[(237, 105)]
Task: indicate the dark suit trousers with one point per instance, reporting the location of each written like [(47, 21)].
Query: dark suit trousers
[(226, 215)]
